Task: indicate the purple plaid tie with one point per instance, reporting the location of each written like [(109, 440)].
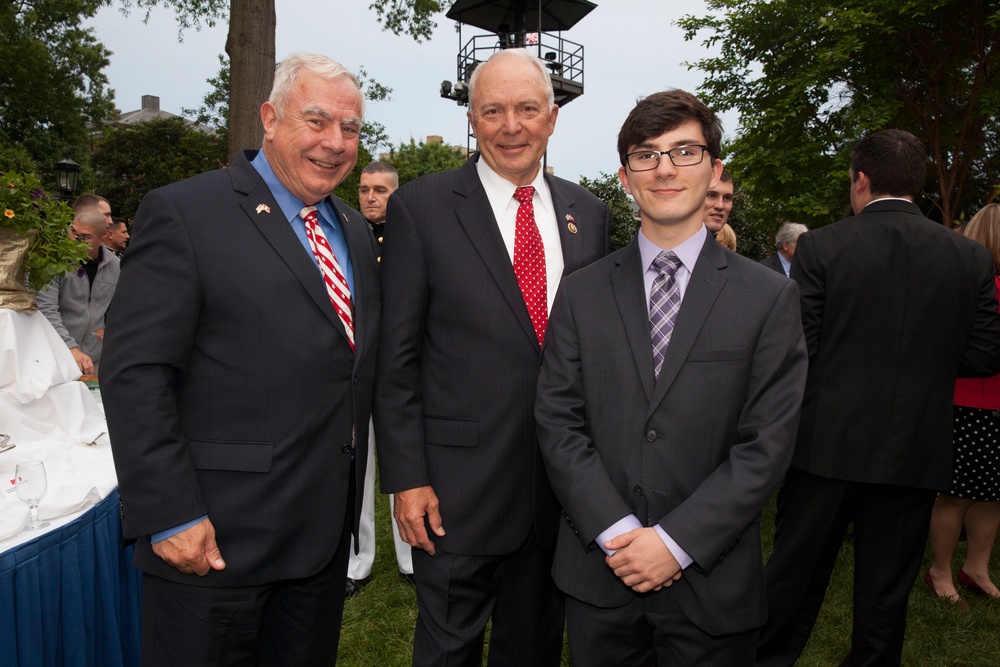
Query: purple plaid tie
[(664, 302)]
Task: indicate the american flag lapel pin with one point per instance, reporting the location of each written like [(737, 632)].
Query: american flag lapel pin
[(263, 207), (570, 224)]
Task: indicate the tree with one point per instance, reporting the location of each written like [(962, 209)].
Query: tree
[(413, 160), (251, 51), (809, 79), (412, 17), (624, 222), (51, 81), (131, 161)]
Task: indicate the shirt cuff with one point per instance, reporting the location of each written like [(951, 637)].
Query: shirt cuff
[(679, 554), (623, 525), (170, 532)]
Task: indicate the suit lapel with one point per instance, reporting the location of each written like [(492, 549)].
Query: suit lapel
[(703, 288), (356, 234), (476, 216), (571, 243), (630, 295), (264, 212)]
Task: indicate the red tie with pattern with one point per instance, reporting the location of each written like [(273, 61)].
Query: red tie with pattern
[(529, 262), (333, 276)]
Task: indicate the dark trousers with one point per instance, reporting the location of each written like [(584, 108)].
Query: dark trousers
[(890, 532), (457, 595), (291, 622), (651, 630)]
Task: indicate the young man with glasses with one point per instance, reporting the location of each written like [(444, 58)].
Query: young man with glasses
[(667, 405)]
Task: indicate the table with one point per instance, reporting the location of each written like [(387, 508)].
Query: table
[(71, 596)]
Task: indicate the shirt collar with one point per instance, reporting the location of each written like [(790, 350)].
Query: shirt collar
[(290, 204), (687, 251), (503, 190)]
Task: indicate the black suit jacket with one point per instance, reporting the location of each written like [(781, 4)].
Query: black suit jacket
[(772, 262), (894, 307), (228, 381), (698, 451), (459, 359)]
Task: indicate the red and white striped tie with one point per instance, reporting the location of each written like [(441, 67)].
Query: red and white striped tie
[(333, 275)]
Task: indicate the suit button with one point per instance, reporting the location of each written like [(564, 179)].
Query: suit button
[(355, 379), (637, 490), (651, 436), (346, 448)]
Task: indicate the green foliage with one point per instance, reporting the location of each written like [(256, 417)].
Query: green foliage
[(214, 111), (190, 13), (135, 159), (413, 160), (809, 79), (609, 189), (24, 208), (51, 80), (412, 17), (348, 188)]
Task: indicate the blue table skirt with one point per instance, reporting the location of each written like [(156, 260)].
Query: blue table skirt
[(71, 597)]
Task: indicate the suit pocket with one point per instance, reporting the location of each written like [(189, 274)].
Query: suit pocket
[(232, 456), (451, 432), (734, 354)]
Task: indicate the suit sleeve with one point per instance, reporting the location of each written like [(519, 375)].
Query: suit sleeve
[(398, 405), (574, 466), (808, 274), (982, 351), (150, 334), (712, 519), (47, 300)]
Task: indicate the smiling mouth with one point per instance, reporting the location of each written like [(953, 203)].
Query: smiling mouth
[(324, 165)]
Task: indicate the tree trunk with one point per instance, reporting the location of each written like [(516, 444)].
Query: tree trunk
[(250, 46)]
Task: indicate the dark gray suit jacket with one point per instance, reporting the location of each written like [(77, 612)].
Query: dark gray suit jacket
[(228, 381), (699, 452), (894, 306), (458, 360)]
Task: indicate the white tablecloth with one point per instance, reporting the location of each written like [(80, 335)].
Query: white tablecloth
[(50, 416)]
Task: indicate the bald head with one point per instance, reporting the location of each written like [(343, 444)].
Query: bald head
[(89, 226)]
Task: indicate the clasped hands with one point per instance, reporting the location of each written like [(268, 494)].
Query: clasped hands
[(193, 550), (642, 561)]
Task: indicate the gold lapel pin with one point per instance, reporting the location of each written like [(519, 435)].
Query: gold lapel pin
[(263, 207), (572, 224)]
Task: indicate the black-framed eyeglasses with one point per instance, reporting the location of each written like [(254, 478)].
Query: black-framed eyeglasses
[(682, 156)]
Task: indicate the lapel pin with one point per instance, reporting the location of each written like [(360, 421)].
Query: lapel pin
[(344, 215), (572, 224), (263, 207)]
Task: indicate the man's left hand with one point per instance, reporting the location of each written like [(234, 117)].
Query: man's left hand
[(642, 561)]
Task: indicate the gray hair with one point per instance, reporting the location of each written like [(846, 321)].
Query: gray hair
[(288, 71), (789, 233), (379, 167), (522, 54)]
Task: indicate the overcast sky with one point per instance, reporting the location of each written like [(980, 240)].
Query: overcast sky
[(631, 49)]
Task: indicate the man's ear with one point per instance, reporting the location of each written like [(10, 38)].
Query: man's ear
[(716, 174), (268, 118), (623, 177)]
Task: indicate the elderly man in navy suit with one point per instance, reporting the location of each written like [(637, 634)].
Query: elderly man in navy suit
[(667, 405), (238, 382), (471, 262)]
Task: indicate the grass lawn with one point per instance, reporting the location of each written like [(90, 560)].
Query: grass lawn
[(378, 623)]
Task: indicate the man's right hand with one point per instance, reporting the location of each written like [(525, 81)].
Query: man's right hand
[(83, 361), (411, 506), (192, 551)]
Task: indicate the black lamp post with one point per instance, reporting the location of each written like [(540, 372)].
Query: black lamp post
[(67, 175)]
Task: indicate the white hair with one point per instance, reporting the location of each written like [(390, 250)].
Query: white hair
[(521, 54), (789, 233), (288, 71)]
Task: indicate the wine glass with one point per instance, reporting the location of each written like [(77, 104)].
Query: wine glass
[(31, 485)]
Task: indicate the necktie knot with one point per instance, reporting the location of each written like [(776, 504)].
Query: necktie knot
[(524, 194), (666, 263), (308, 211)]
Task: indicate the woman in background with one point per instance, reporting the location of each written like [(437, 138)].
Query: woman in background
[(974, 497)]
